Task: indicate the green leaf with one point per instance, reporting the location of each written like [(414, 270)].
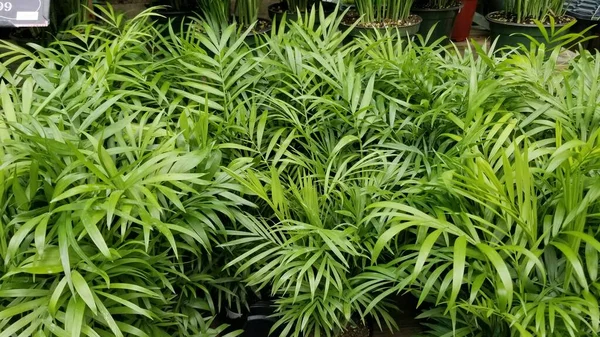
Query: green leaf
[(90, 219), (424, 252), (19, 236), (460, 252), (506, 293), (56, 294), (574, 262), (74, 317), (83, 290)]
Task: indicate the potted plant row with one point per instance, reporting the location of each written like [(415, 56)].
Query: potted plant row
[(524, 17), (382, 15)]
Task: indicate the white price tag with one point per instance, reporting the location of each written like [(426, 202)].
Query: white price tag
[(28, 16)]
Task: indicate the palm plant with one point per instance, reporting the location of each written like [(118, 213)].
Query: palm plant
[(97, 241), (495, 259), (149, 182)]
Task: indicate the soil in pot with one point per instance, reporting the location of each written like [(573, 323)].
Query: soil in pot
[(504, 26), (356, 330), (440, 18), (408, 27)]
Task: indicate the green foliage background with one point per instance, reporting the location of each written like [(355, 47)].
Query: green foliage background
[(150, 179)]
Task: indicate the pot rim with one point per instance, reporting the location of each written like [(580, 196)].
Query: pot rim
[(527, 25), (448, 9), (381, 28)]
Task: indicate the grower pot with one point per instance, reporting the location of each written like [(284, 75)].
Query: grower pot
[(442, 18), (404, 31), (510, 34)]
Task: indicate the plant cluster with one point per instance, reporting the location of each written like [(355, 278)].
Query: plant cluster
[(217, 11), (529, 10), (149, 182), (373, 11)]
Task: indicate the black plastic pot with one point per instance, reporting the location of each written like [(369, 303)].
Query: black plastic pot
[(443, 20), (582, 24), (405, 31), (510, 34)]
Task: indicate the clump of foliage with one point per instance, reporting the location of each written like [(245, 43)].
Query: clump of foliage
[(110, 216), (383, 10), (217, 11), (247, 12), (528, 10), (148, 182)]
